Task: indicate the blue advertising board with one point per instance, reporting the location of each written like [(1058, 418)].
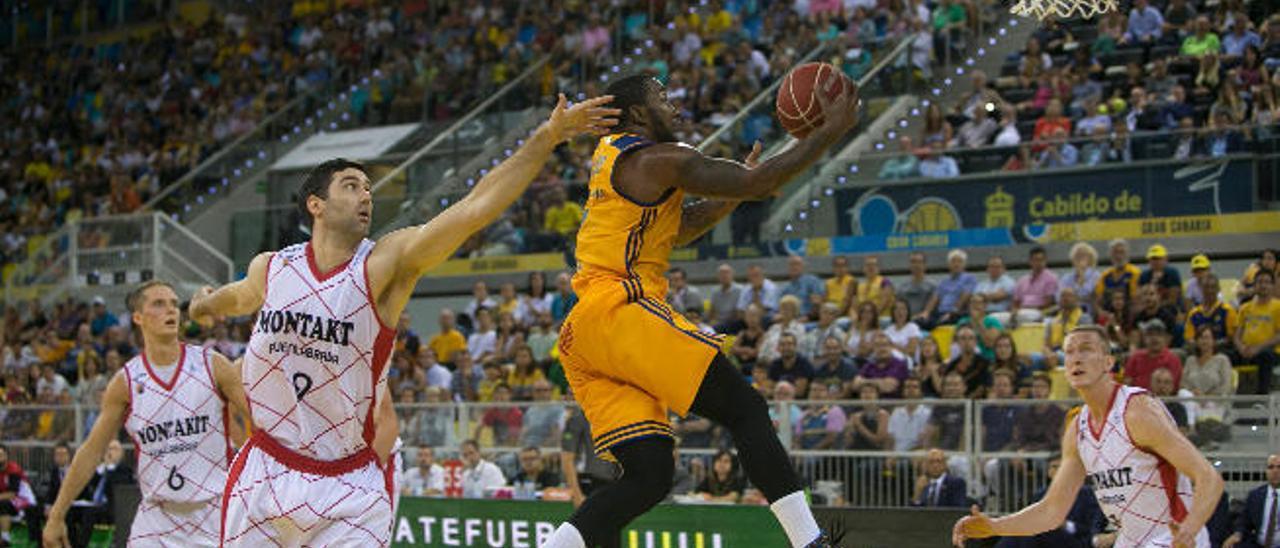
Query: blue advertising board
[(1031, 199)]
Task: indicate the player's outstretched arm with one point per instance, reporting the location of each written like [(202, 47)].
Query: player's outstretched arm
[(115, 404), (1045, 515), (682, 166), (227, 376), (406, 254), (239, 298), (1151, 427)]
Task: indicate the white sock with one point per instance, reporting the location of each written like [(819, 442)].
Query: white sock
[(567, 536), (796, 519)]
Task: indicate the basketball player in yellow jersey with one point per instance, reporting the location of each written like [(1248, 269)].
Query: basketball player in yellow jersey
[(629, 358)]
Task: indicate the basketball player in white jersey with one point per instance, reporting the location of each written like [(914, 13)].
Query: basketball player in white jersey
[(315, 472), (174, 400), (1151, 482)]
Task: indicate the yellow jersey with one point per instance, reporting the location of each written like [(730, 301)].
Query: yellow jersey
[(1260, 321), (623, 240)]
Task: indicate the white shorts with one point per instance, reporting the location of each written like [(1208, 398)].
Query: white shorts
[(175, 524), (276, 497)]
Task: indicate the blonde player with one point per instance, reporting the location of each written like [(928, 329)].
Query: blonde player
[(174, 400), (1151, 482), (316, 471)]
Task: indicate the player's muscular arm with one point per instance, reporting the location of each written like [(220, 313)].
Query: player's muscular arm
[(403, 256), (227, 376), (386, 426), (115, 404), (697, 218), (1042, 516), (1150, 426), (239, 298)]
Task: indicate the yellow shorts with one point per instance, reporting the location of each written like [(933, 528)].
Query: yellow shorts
[(630, 363)]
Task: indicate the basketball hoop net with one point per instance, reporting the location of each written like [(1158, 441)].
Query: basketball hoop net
[(1062, 9)]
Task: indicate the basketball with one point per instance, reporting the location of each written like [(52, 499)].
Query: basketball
[(798, 108)]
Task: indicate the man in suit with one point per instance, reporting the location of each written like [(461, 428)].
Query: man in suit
[(937, 487), (1083, 521), (1259, 524), (52, 482)]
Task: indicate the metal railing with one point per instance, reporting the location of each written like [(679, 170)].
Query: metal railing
[(1236, 433), (109, 254)]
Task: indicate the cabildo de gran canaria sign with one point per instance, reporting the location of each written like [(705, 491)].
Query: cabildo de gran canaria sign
[(527, 524)]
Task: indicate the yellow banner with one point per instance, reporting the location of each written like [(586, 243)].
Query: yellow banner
[(499, 265), (1167, 227)]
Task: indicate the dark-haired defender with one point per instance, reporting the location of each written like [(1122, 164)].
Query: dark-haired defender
[(1153, 485), (174, 399), (315, 471), (628, 356)]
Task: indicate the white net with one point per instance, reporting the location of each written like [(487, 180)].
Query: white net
[(1062, 9)]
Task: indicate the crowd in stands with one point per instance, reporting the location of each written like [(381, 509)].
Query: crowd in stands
[(1192, 79)]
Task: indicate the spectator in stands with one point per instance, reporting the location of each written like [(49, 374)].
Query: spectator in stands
[(1179, 18), (1039, 426), (790, 365), (937, 164), (541, 421), (1035, 292), (1005, 357), (788, 320), (1146, 25), (1070, 315), (51, 386), (1164, 386), (1058, 152), (977, 131), (746, 347), (448, 341), (482, 344), (680, 295), (952, 297), (1158, 272), (1153, 355), (841, 284), (503, 422), (1222, 137), (974, 369), (1050, 123), (724, 313), (919, 292), (1240, 38), (1110, 32), (874, 288), (1148, 306), (904, 166), (760, 291), (1185, 144), (980, 97), (426, 479), (467, 376), (826, 327), (866, 321), (101, 318), (479, 476), (725, 483), (564, 298), (479, 299), (1007, 135), (936, 128), (524, 374), (1177, 109), (805, 287), (1122, 275), (937, 487), (1093, 119), (1266, 262), (998, 422), (1258, 336), (15, 494), (997, 288), (1229, 104), (530, 304), (867, 429), (949, 26), (1203, 42), (834, 369), (534, 472), (907, 423), (1259, 524), (1194, 292), (822, 423), (542, 338), (1206, 372), (1086, 101), (884, 368), (561, 220), (987, 326), (904, 334)]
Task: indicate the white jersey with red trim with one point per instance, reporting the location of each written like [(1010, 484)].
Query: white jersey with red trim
[(178, 422), (1140, 493), (318, 355)]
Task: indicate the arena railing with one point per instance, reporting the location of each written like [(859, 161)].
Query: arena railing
[(1236, 433), (105, 256)]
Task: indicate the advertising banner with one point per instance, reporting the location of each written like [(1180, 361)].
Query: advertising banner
[(527, 524)]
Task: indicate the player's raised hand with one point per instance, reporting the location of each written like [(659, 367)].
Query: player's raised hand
[(55, 534), (840, 114), (974, 525), (753, 159), (590, 116)]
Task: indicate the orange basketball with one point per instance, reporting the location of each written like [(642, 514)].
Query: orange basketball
[(798, 109)]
